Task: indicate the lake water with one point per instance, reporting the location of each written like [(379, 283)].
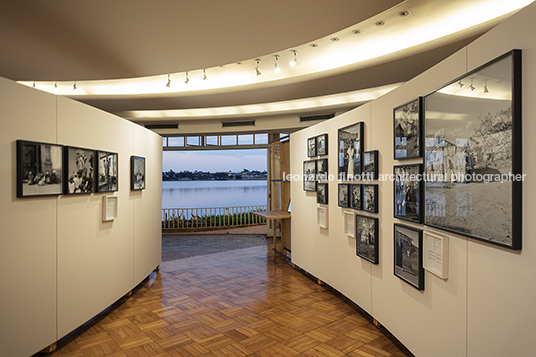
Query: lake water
[(198, 194)]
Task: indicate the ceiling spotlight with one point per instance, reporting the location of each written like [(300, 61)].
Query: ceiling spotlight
[(462, 86), (55, 86), (334, 39), (294, 61), (187, 79), (204, 75), (403, 13), (486, 90), (356, 32), (34, 84), (74, 87), (168, 84), (257, 71), (472, 86), (313, 45), (276, 67), (380, 23)]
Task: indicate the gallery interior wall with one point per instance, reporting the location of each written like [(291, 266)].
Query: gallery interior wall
[(61, 263), (485, 307)]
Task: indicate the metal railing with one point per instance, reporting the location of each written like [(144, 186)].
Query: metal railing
[(211, 217)]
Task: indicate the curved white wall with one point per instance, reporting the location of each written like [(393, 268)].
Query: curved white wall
[(485, 306), (61, 264)]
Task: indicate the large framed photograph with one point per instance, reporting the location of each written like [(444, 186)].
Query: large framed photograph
[(370, 198), (309, 175), (322, 193), (311, 147), (408, 129), (79, 170), (322, 169), (473, 154), (367, 238), (137, 173), (322, 144), (355, 196), (343, 195), (107, 171), (408, 192), (370, 165), (436, 254), (351, 145), (408, 255), (39, 169)]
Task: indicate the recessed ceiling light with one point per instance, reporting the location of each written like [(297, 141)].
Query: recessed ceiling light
[(356, 32), (403, 13), (334, 39), (313, 45), (380, 23)]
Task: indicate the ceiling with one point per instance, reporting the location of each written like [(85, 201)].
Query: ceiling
[(109, 46)]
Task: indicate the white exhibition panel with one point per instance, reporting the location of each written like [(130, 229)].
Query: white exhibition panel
[(484, 308), (62, 263), (28, 229)]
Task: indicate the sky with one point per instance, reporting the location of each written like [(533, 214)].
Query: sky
[(215, 160)]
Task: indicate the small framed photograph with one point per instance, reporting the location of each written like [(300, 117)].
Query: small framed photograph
[(79, 170), (107, 171), (367, 238), (137, 173), (436, 254), (311, 147), (109, 208), (322, 169), (351, 143), (370, 198), (370, 165), (322, 217), (408, 192), (408, 255), (343, 195), (322, 193), (39, 169), (322, 144), (355, 196), (309, 175), (408, 129), (349, 224)]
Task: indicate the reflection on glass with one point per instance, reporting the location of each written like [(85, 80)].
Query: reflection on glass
[(245, 139), (228, 140), (176, 141)]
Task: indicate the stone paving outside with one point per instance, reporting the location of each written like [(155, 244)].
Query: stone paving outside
[(190, 244)]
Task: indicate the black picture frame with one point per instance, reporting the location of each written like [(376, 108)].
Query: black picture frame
[(370, 198), (408, 248), (343, 195), (370, 165), (366, 235), (137, 173), (79, 173), (311, 147), (322, 193), (408, 192), (356, 197), (309, 175), (39, 169), (322, 144), (474, 163), (350, 147), (408, 130), (107, 171), (322, 169)]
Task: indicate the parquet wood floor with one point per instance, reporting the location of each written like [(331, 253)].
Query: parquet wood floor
[(247, 302)]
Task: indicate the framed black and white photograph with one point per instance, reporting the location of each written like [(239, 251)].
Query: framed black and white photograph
[(370, 165), (79, 170), (408, 255), (473, 154), (322, 169), (107, 171), (350, 143), (367, 238), (322, 193), (39, 169), (343, 195), (311, 147), (408, 192), (137, 173), (355, 196), (309, 175), (408, 129), (322, 144), (370, 198)]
